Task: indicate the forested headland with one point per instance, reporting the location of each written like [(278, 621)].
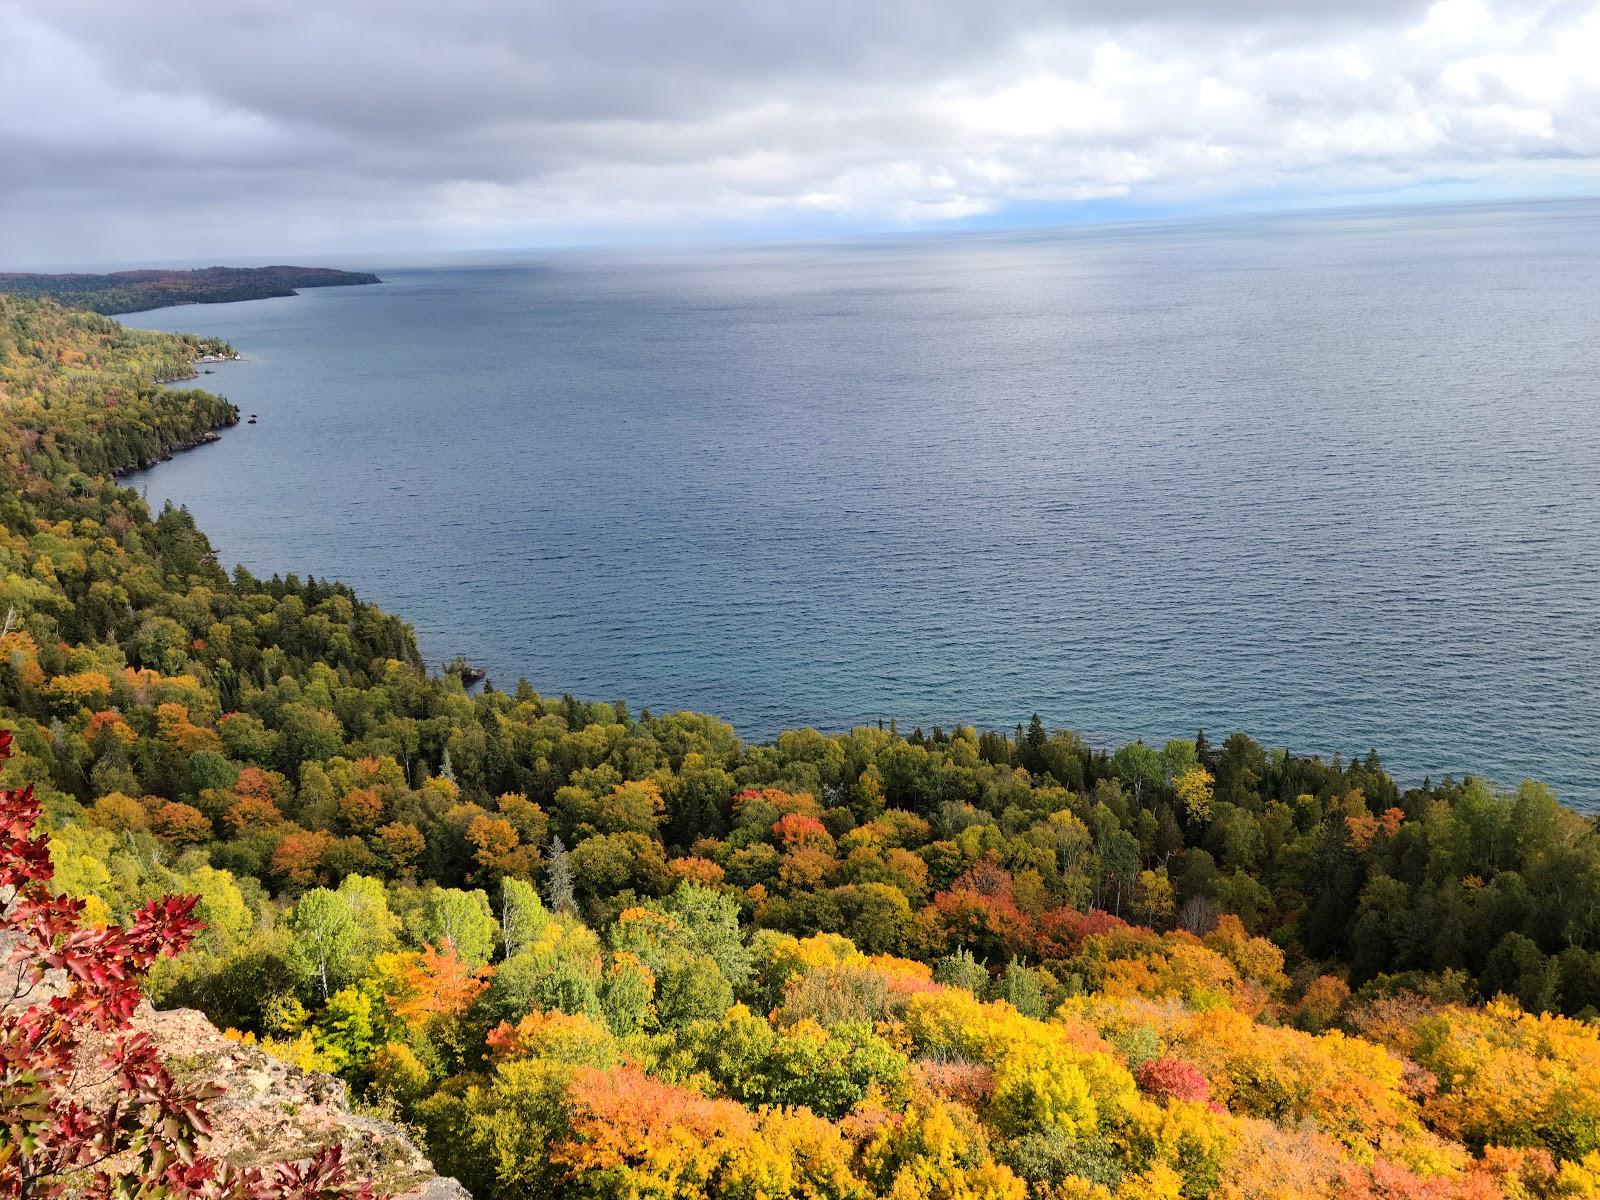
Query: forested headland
[(589, 950), (135, 291)]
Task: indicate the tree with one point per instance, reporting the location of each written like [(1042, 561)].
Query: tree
[(1119, 864), (497, 848), (709, 925), (495, 1135), (401, 844), (361, 810), (1023, 988), (1193, 788), (1516, 967), (1042, 1089), (1511, 1078), (299, 858), (877, 917), (1031, 747), (1153, 898), (375, 925), (689, 987), (181, 824), (1140, 768), (829, 1071), (327, 941), (963, 971), (558, 879), (1173, 1079), (427, 984), (522, 915), (462, 920)]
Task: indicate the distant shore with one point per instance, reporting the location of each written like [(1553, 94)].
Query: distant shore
[(140, 291)]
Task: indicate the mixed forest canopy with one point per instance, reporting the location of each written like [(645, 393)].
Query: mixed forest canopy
[(134, 291), (594, 951)]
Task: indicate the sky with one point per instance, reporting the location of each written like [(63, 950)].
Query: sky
[(236, 130)]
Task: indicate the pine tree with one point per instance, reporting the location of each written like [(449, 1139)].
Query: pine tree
[(962, 970), (1021, 988), (558, 879)]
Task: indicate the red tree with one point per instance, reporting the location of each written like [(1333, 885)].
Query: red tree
[(1172, 1079), (979, 912), (130, 1130)]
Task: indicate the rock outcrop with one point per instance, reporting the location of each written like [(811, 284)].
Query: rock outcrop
[(270, 1111)]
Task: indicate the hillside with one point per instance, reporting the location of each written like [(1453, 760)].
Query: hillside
[(135, 291), (595, 952)]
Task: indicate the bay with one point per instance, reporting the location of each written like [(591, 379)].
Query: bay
[(1332, 479)]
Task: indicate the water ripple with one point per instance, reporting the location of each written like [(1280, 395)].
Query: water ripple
[(1339, 485)]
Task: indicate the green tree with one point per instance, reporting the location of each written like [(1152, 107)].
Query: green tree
[(1518, 968), (376, 927), (1022, 987), (326, 946), (708, 922), (963, 971), (522, 915), (462, 920)]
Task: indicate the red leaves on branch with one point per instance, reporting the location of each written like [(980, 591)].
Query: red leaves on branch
[(126, 1128)]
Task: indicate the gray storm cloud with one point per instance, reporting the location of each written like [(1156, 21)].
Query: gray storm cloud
[(180, 129)]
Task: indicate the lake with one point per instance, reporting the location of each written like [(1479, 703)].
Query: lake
[(1332, 479)]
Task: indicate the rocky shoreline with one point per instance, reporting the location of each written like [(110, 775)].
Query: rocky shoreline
[(203, 439)]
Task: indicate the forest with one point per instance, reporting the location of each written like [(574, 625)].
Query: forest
[(135, 291), (590, 950)]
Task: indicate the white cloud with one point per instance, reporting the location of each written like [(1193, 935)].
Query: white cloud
[(192, 129)]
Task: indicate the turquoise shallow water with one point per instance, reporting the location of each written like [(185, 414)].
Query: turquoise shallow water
[(1331, 479)]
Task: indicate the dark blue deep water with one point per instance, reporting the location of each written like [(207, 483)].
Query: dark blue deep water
[(1331, 479)]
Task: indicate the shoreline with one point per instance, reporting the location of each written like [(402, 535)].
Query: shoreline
[(203, 360), (204, 438), (194, 443)]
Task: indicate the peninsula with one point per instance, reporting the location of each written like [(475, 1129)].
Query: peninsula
[(136, 291)]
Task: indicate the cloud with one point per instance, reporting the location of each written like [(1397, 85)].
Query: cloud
[(188, 129)]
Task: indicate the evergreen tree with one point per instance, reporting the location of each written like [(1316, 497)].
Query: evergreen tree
[(962, 970), (558, 879), (1021, 987)]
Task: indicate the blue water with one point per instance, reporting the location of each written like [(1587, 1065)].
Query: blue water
[(1332, 479)]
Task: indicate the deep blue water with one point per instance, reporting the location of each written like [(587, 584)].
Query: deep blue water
[(1333, 479)]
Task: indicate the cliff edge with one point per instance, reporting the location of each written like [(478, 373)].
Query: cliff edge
[(270, 1111)]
